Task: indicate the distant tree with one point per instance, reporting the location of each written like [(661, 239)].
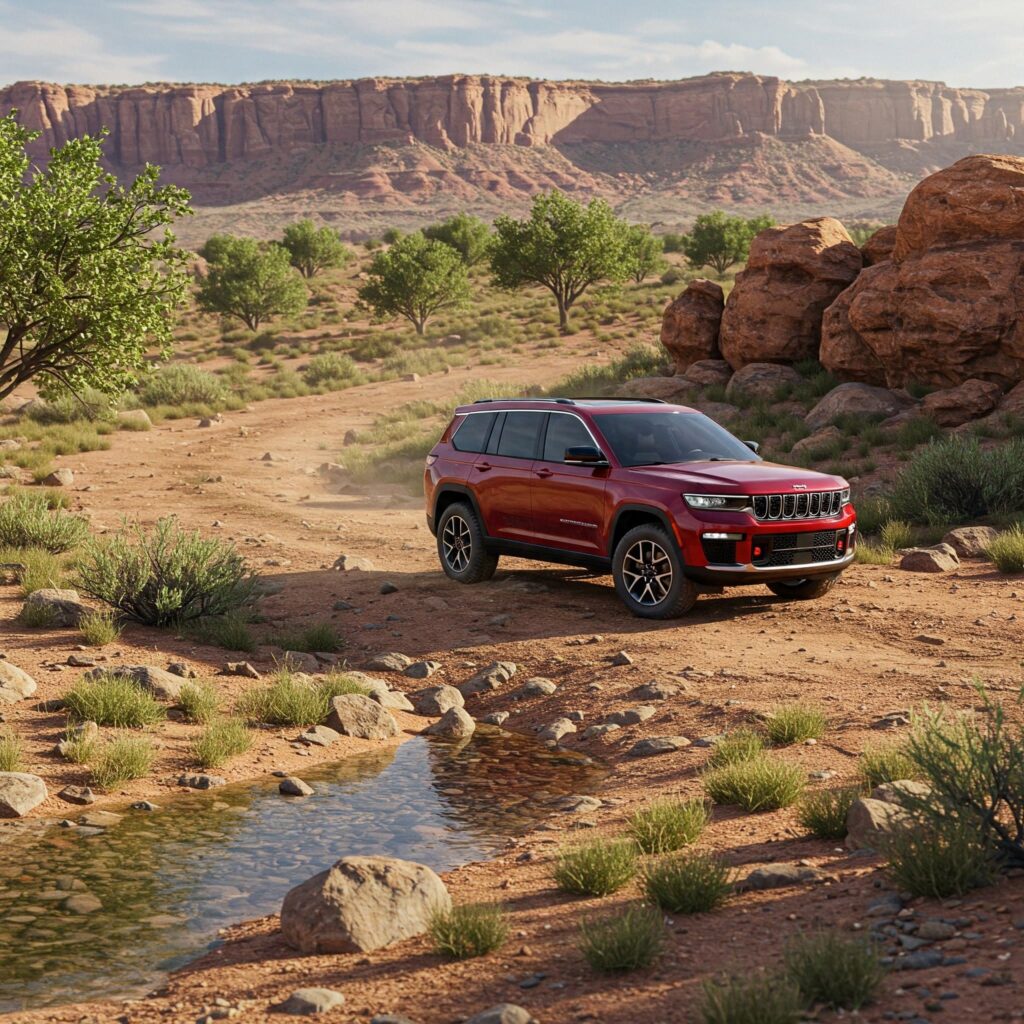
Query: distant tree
[(88, 281), (312, 249), (721, 241), (415, 278), (391, 235), (672, 241), (643, 252), (468, 235), (250, 280), (563, 246)]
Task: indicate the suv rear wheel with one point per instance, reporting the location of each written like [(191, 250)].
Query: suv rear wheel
[(648, 574), (803, 590), (460, 546)]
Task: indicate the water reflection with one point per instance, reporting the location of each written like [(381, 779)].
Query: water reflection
[(167, 881)]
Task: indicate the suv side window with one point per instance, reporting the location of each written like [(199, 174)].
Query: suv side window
[(564, 431), (520, 434), (472, 433)]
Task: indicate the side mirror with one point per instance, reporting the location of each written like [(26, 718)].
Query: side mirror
[(753, 446), (585, 455)]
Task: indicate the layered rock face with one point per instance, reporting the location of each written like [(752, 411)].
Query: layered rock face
[(793, 274), (949, 305)]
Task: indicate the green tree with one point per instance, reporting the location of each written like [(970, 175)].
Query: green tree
[(721, 241), (563, 246), (643, 252), (313, 249), (466, 234), (88, 281), (250, 280), (415, 278)]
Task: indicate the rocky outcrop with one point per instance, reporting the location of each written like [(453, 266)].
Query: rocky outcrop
[(878, 248), (956, 406), (689, 325), (853, 399), (793, 274)]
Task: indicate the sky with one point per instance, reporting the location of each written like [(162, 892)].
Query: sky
[(976, 43)]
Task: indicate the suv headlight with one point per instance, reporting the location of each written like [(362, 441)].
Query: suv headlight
[(724, 502), (844, 496)]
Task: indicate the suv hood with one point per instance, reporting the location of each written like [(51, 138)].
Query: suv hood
[(739, 477)]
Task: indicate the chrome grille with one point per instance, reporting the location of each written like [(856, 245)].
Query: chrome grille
[(812, 505)]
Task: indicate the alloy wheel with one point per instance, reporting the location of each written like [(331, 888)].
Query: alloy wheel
[(457, 542), (647, 572)]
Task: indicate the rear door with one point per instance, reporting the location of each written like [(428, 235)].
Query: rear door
[(502, 476), (568, 500)]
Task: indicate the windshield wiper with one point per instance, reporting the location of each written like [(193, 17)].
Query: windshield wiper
[(721, 458), (636, 464)]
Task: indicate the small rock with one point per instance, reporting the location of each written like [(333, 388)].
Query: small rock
[(387, 587), (941, 558), (622, 658), (658, 745), (454, 724), (82, 903), (655, 691), (241, 668), (202, 781), (631, 716), (557, 729), (933, 930), (777, 876), (495, 718), (305, 1002), (59, 478), (489, 678), (350, 563), (577, 804), (537, 687), (292, 786), (20, 793), (421, 669), (77, 795), (100, 819), (970, 541), (868, 820), (15, 684), (503, 1013), (389, 661), (319, 736)]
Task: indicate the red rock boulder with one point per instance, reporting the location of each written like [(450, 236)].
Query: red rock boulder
[(689, 325), (962, 404), (878, 248), (793, 274)]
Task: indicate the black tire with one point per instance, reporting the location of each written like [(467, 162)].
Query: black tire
[(641, 587), (460, 546), (804, 590)]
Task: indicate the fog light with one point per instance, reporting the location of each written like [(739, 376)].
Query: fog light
[(722, 536)]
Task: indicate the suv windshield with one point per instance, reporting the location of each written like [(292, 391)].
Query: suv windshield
[(662, 438)]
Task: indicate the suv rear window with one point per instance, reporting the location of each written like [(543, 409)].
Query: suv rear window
[(520, 433), (471, 435)]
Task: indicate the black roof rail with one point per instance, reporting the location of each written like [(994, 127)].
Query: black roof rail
[(559, 401), (573, 401), (613, 400)]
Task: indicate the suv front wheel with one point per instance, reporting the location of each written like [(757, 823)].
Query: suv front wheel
[(648, 574), (803, 590), (460, 546)]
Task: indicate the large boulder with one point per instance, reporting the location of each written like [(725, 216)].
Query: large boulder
[(854, 399), (979, 198), (63, 607), (352, 714), (878, 248), (793, 274), (708, 372), (970, 541), (969, 401), (761, 381), (361, 904), (436, 700), (20, 793), (689, 325), (15, 683)]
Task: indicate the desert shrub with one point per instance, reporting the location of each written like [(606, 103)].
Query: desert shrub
[(761, 784), (99, 627), (823, 812), (938, 858), (76, 747), (289, 700), (872, 514), (10, 751), (182, 384), (321, 636), (955, 480), (39, 568), (109, 699), (27, 522), (639, 361), (1007, 550), (473, 929), (597, 868), (833, 970), (668, 825), (916, 431), (199, 701), (121, 759), (37, 616), (689, 883), (337, 684), (736, 746), (895, 534), (885, 762), (88, 404), (166, 576), (626, 941), (759, 998), (222, 739), (331, 369), (793, 723), (230, 631), (869, 553)]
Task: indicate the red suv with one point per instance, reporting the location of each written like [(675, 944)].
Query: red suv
[(662, 496)]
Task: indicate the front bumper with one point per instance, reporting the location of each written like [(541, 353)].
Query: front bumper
[(739, 575)]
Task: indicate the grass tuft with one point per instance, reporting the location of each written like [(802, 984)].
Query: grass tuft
[(26, 521), (886, 762), (668, 825), (222, 739), (99, 627), (122, 759), (734, 747), (1007, 550), (321, 636), (759, 998), (470, 930), (76, 747), (761, 784), (794, 723), (946, 858), (228, 631), (626, 941), (835, 971), (597, 868), (112, 700), (10, 751), (199, 702), (290, 699), (823, 812), (688, 883)]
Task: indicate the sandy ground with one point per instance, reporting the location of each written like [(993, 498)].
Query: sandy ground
[(881, 641)]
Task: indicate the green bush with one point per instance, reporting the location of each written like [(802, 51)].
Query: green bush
[(597, 868), (626, 941), (668, 825), (332, 370), (793, 723), (37, 616), (758, 998), (289, 700), (10, 751), (41, 569), (956, 480), (470, 930), (823, 812), (230, 631), (112, 700), (222, 739), (27, 522), (868, 553), (689, 883), (1007, 550), (895, 534), (199, 701), (938, 858), (321, 636), (121, 759), (886, 762), (99, 628), (737, 746), (76, 747), (166, 576), (835, 971), (182, 384), (761, 784)]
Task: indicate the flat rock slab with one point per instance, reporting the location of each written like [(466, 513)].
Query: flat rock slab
[(421, 669), (77, 795), (159, 682), (202, 781), (778, 876), (389, 661), (319, 736), (489, 678), (658, 745), (557, 729), (631, 716), (304, 1002), (503, 1013), (100, 819)]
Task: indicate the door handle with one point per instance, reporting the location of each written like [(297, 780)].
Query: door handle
[(544, 472), (482, 466)]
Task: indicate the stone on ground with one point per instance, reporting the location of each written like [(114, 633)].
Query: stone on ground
[(868, 821), (64, 606), (388, 661), (15, 683), (970, 541), (159, 682), (292, 786), (20, 793), (202, 781), (352, 714), (436, 700), (454, 724), (421, 669), (658, 745), (940, 558), (503, 1013), (305, 1002), (489, 678), (778, 876), (557, 729)]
